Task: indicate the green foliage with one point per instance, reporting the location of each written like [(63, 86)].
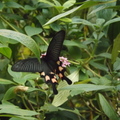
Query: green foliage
[(91, 45)]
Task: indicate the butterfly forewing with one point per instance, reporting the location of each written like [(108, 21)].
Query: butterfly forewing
[(55, 46), (27, 65)]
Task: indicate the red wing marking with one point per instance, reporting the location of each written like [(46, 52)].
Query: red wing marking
[(47, 78), (60, 68), (54, 80), (42, 74), (58, 62), (60, 75)]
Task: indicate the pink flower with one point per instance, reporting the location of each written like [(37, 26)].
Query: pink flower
[(64, 61)]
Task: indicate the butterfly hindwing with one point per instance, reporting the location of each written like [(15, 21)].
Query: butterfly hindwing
[(27, 65)]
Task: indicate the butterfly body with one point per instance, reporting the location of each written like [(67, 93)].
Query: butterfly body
[(50, 64)]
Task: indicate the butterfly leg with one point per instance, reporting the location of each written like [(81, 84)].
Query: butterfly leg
[(50, 78)]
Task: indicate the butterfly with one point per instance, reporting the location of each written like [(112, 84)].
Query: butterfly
[(50, 65)]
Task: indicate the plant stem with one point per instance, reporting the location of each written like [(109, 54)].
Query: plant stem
[(8, 24)]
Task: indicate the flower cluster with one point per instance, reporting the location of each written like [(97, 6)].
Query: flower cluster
[(62, 59)]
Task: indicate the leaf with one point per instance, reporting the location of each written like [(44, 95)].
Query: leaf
[(1, 6), (28, 7), (105, 55), (32, 30), (6, 51), (69, 3), (62, 96), (99, 66), (116, 65), (111, 21), (76, 20), (47, 2), (61, 15), (74, 76), (17, 76), (83, 6), (13, 4), (3, 63), (73, 43), (5, 81), (80, 88), (116, 48), (12, 109), (23, 39), (107, 108), (49, 107), (73, 111), (9, 94)]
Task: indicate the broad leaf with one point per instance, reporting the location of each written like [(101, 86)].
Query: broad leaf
[(32, 30), (80, 88), (12, 109), (107, 108), (23, 39), (6, 51), (62, 96), (116, 48)]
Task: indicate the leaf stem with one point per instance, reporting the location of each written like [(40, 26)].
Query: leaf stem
[(8, 24), (86, 66), (43, 40)]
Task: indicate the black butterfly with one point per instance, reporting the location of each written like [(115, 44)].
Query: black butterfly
[(49, 65)]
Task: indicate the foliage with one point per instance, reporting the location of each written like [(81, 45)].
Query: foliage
[(91, 45)]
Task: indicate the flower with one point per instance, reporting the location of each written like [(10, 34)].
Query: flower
[(64, 61)]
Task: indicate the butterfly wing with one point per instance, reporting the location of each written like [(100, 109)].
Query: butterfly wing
[(27, 65), (55, 46)]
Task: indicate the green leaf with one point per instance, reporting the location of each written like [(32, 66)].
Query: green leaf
[(73, 43), (107, 108), (99, 66), (47, 2), (111, 21), (9, 94), (116, 65), (5, 81), (7, 41), (49, 107), (116, 48), (6, 51), (23, 39), (69, 3), (62, 96), (12, 109), (28, 7), (1, 6), (74, 76), (105, 55), (73, 111), (76, 20), (32, 30), (61, 15), (17, 76), (3, 63), (13, 4), (80, 88)]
